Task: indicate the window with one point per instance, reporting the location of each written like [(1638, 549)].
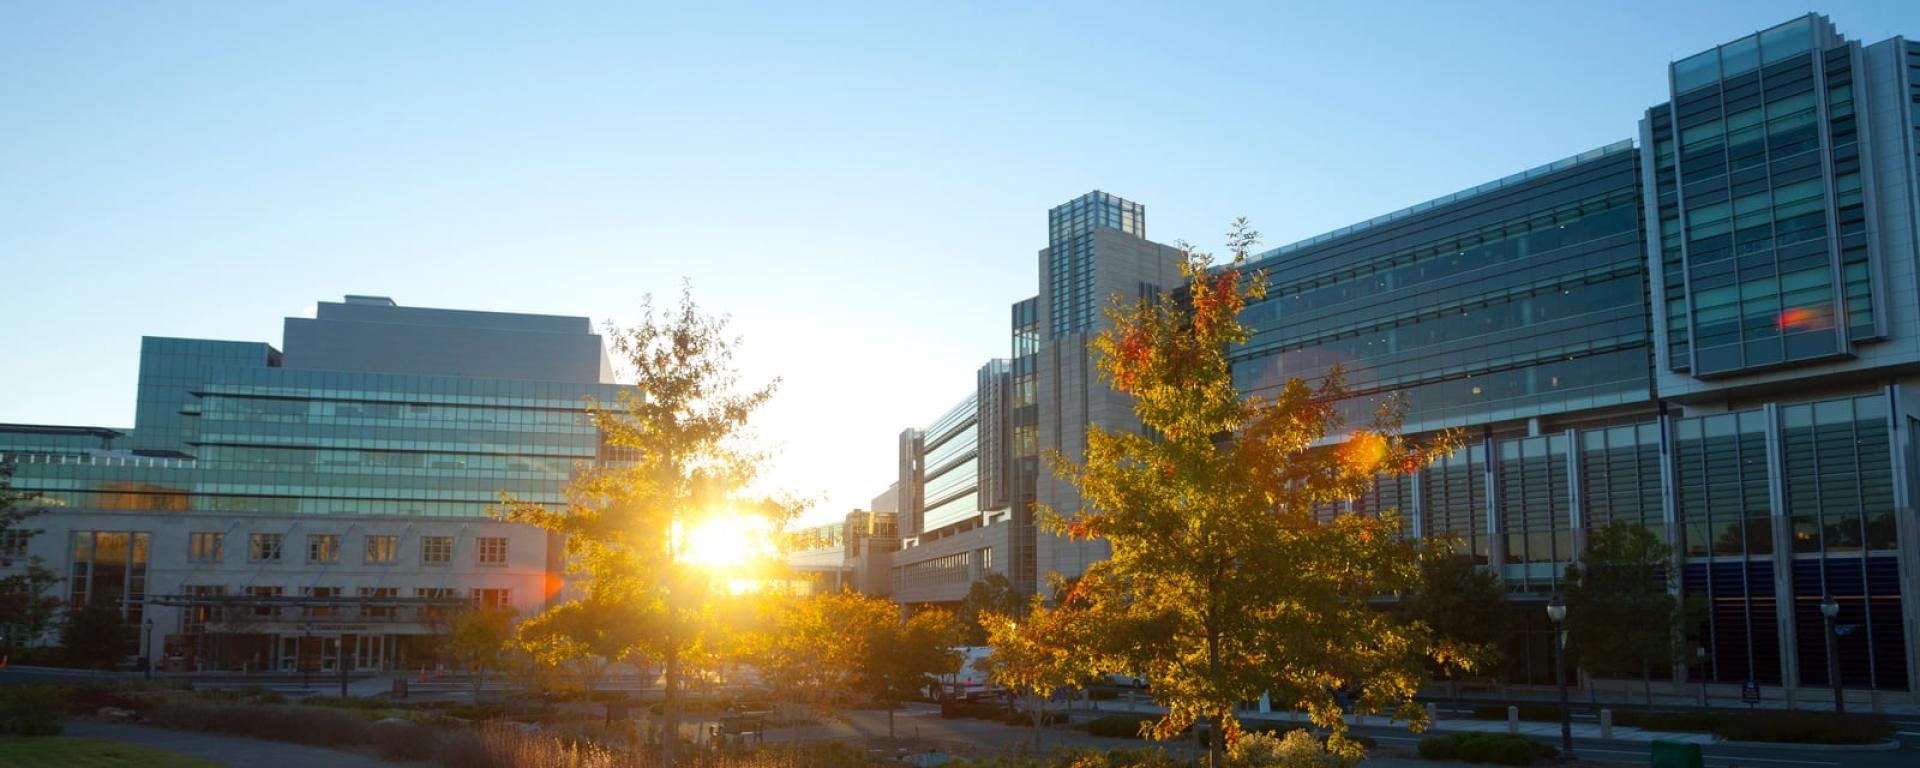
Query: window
[(321, 592), (205, 546), (265, 593), (193, 620), (492, 598), (14, 543), (323, 548), (433, 593), (263, 547), (377, 593), (381, 550), (493, 550), (436, 550)]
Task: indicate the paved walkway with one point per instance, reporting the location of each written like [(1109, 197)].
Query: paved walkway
[(236, 751)]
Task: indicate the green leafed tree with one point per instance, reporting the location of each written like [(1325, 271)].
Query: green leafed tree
[(27, 605), (681, 461), (993, 594), (902, 659), (1620, 614), (477, 640), (95, 636), (1466, 609), (1223, 585)]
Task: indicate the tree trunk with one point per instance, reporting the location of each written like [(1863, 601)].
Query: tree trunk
[(670, 711), (889, 723), (1646, 680), (1217, 741), (1039, 714)]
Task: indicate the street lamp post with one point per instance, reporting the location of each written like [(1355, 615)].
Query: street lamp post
[(1557, 613), (146, 647), (300, 656), (1831, 609), (340, 660)]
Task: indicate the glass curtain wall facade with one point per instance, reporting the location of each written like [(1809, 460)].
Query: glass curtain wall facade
[(248, 476), (1766, 258), (221, 429), (1523, 298), (1071, 254)]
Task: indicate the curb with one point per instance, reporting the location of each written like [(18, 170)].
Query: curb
[(1883, 746)]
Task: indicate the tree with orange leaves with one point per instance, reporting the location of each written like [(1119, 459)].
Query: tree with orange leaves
[(1223, 585)]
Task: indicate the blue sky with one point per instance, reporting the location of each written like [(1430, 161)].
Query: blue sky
[(862, 187)]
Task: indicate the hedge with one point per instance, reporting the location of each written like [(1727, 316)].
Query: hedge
[(1542, 713), (31, 710), (1118, 726), (1806, 728), (1476, 747)]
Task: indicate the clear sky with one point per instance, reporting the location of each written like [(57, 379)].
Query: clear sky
[(863, 187)]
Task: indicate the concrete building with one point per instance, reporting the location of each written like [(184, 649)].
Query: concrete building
[(326, 504)]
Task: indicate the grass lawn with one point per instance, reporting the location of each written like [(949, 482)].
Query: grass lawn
[(72, 752)]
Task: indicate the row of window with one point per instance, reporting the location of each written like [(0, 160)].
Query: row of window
[(379, 549), (195, 618)]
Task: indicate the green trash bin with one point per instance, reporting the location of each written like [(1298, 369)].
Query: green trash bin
[(1676, 754)]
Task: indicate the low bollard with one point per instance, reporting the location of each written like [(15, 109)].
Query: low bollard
[(1606, 724), (1433, 713), (1513, 720)]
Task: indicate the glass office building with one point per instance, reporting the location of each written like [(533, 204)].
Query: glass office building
[(957, 527), (360, 462), (1713, 331)]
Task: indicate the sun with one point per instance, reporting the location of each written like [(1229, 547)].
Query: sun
[(725, 542)]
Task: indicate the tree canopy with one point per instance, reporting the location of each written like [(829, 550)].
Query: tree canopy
[(1465, 607), (1223, 584), (994, 594), (27, 609), (1620, 615), (678, 463)]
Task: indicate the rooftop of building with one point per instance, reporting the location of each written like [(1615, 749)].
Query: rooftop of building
[(1623, 145)]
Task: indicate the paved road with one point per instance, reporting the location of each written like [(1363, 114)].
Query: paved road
[(236, 751)]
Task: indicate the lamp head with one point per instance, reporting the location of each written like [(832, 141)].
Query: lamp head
[(1557, 609)]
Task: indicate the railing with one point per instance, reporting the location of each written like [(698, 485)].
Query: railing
[(88, 459)]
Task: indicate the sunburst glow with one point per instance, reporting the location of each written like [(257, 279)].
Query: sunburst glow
[(726, 542)]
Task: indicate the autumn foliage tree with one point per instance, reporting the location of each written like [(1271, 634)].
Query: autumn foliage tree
[(1222, 584), (1041, 653), (681, 460)]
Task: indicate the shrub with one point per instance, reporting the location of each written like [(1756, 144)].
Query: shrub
[(404, 742), (978, 710), (1118, 726), (280, 722), (1806, 728), (88, 699), (1701, 722), (1118, 758), (1542, 713), (461, 748), (1476, 747), (349, 702), (1297, 749), (30, 710), (1026, 719)]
